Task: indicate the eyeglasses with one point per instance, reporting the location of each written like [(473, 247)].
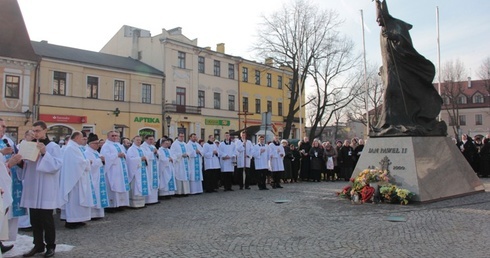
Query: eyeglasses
[(38, 130)]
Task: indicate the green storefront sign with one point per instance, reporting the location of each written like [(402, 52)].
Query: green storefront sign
[(149, 120), (217, 122)]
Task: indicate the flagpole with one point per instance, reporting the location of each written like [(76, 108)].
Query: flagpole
[(438, 57), (365, 75)]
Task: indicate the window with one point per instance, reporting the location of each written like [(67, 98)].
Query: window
[(231, 71), (217, 100), (180, 98), (181, 57), (245, 104), (269, 80), (461, 99), (146, 93), (12, 84), (92, 87), (231, 102), (200, 64), (200, 98), (446, 100), (203, 133), (257, 77), (478, 98), (462, 120), (257, 106), (478, 119), (290, 84), (118, 90), (245, 74), (269, 106), (59, 83), (217, 68), (279, 82), (279, 108)]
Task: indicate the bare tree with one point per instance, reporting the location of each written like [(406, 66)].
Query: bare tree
[(484, 73), (294, 37), (334, 88), (452, 92), (357, 109)]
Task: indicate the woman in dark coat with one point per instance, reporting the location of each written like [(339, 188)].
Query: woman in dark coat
[(330, 161), (288, 167), (346, 160), (485, 158), (304, 150), (317, 161), (295, 161)]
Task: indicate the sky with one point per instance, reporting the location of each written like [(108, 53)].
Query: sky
[(89, 24)]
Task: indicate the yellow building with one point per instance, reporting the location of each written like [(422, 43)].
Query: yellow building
[(264, 88), (17, 71), (96, 92)]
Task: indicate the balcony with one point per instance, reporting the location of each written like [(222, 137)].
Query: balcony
[(182, 109)]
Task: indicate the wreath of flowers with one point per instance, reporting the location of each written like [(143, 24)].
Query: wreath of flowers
[(361, 189)]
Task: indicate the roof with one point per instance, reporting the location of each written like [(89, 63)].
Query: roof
[(469, 89), (45, 49), (15, 41)]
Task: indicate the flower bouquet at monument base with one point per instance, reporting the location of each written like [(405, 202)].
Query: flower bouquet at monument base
[(373, 185)]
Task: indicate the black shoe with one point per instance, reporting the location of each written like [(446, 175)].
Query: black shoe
[(74, 225), (247, 188), (34, 251), (279, 186), (49, 252), (5, 248)]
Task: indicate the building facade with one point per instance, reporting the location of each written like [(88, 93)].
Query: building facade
[(472, 102), (206, 90), (18, 63), (96, 92)]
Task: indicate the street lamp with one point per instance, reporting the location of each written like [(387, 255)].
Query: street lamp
[(168, 119), (28, 114)]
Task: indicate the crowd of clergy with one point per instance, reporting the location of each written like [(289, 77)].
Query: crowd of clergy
[(87, 176)]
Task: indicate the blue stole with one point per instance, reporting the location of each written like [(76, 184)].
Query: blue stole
[(144, 179), (154, 179), (102, 186), (186, 162), (171, 185), (17, 188), (94, 197), (124, 166), (197, 168)]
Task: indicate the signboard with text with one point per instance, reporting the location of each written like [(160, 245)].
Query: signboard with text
[(217, 122), (63, 119)]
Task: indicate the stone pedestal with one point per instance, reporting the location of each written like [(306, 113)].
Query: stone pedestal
[(433, 168)]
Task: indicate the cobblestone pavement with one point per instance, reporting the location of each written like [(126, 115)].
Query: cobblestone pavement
[(314, 223)]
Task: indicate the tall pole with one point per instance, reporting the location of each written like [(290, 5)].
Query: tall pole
[(438, 57), (366, 95)]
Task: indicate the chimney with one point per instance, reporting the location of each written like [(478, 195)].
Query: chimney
[(207, 48), (269, 61), (220, 48), (469, 82), (135, 46)]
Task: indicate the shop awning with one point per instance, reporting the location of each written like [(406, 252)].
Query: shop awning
[(121, 125)]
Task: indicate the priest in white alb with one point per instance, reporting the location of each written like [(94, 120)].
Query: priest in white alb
[(76, 189), (151, 153), (116, 171), (227, 154), (276, 156), (138, 174), (195, 165), (181, 165), (98, 176), (166, 167)]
